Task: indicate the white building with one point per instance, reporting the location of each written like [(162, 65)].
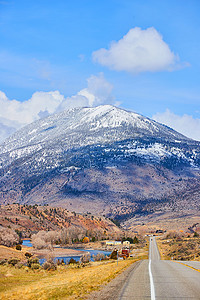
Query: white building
[(126, 244), (113, 243)]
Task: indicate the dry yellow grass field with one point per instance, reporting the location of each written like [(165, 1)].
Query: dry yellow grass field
[(179, 249), (7, 253), (67, 282), (163, 248)]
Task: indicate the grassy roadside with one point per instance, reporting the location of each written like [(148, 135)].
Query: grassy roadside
[(179, 248), (66, 282), (162, 249)]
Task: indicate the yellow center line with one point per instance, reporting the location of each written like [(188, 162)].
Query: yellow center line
[(187, 266)]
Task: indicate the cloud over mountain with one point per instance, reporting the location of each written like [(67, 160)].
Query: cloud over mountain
[(15, 114), (185, 124), (138, 51), (98, 92)]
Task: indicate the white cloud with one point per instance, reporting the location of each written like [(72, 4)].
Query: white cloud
[(185, 124), (30, 110), (14, 114), (138, 51), (97, 92)]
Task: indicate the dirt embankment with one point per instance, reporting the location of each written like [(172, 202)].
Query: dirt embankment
[(8, 253)]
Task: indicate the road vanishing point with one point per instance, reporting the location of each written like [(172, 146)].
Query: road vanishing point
[(162, 279)]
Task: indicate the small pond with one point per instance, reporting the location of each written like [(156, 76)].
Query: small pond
[(95, 252), (27, 243), (67, 258)]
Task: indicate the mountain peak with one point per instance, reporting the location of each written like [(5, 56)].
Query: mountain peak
[(96, 154), (108, 116), (88, 125)]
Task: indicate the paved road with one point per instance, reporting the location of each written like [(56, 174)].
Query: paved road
[(162, 279)]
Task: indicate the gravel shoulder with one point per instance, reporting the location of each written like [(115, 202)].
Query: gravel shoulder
[(113, 289)]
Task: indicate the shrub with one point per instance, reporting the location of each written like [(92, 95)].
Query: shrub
[(99, 256), (86, 239), (113, 255), (3, 261), (72, 261), (46, 265), (28, 255), (35, 266), (13, 261), (85, 258), (49, 266), (18, 247), (135, 240), (31, 261), (60, 262)]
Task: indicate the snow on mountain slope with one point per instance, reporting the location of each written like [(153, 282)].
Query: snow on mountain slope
[(113, 133), (82, 126), (103, 154)]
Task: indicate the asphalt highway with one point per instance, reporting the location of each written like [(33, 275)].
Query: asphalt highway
[(162, 279)]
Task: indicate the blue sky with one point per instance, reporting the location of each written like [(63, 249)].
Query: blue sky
[(48, 46)]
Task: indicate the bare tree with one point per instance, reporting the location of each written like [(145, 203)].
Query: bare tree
[(8, 237), (64, 236), (38, 243), (75, 233), (44, 239)]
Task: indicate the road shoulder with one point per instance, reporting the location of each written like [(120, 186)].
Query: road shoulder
[(113, 289)]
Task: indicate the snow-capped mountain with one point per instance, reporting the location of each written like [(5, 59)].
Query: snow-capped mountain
[(80, 127), (84, 126), (66, 155)]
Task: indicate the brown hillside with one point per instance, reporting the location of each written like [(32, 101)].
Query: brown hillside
[(29, 219)]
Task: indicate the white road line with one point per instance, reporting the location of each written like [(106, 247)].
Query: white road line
[(153, 296)]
